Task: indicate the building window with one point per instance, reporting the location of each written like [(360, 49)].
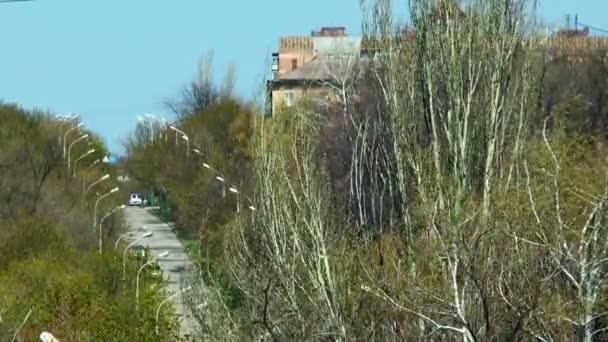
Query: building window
[(290, 99), (294, 64)]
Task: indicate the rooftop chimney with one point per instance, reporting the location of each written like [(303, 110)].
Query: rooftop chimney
[(337, 31)]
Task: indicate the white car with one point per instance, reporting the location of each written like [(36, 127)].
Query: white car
[(135, 199)]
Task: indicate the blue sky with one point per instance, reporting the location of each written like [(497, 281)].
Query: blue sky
[(113, 60)]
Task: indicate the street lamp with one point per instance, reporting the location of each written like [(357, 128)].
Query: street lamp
[(121, 207), (236, 192), (251, 206), (160, 256), (103, 178), (65, 136), (223, 181), (85, 136), (97, 202), (167, 299), (185, 137), (86, 190), (219, 178), (177, 131), (140, 229), (64, 119), (91, 151), (97, 161), (124, 255)]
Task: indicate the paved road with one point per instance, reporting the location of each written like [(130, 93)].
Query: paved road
[(163, 239)]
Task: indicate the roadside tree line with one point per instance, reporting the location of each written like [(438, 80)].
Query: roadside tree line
[(52, 276), (454, 189)]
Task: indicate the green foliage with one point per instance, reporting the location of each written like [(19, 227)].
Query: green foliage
[(80, 301), (31, 237), (48, 247), (461, 217), (222, 132)]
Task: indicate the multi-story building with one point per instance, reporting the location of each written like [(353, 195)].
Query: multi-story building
[(305, 66)]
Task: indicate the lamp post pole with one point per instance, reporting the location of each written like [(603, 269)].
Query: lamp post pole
[(160, 256), (177, 131), (101, 225), (86, 191), (141, 229), (124, 254), (63, 120), (97, 203), (185, 137), (70, 149), (251, 206), (219, 177), (65, 136), (97, 161), (235, 191), (166, 300), (223, 181), (80, 158)]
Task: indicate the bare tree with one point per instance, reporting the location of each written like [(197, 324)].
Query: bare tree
[(459, 103)]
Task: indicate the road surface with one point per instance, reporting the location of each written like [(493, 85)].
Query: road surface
[(164, 239)]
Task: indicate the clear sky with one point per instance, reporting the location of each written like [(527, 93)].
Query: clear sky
[(112, 60)]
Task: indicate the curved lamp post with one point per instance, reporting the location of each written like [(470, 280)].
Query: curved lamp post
[(219, 178), (72, 145), (197, 151), (251, 206), (63, 120), (97, 161), (235, 191), (124, 254), (160, 256), (177, 131), (185, 137), (120, 207), (65, 136), (140, 229), (167, 299), (223, 181), (97, 203), (101, 225), (103, 178), (86, 190), (238, 194), (89, 152)]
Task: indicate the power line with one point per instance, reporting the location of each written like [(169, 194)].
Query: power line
[(6, 1), (592, 27)]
